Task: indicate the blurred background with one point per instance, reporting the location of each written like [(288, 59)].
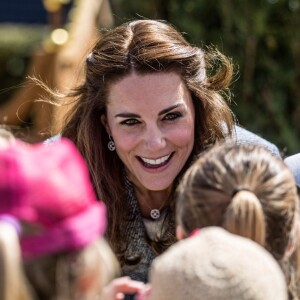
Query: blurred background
[(49, 39)]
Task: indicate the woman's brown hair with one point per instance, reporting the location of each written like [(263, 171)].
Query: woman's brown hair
[(143, 46)]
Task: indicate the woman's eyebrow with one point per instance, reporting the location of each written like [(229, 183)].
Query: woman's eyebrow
[(132, 115), (166, 110), (127, 115)]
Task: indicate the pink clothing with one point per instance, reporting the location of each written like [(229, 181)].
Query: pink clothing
[(48, 188)]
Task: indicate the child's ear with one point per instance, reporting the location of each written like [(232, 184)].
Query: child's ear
[(293, 240), (180, 233), (290, 249)]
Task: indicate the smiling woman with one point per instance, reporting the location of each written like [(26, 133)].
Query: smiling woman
[(151, 118), (150, 103)]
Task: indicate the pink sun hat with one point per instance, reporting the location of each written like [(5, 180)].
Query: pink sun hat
[(49, 189)]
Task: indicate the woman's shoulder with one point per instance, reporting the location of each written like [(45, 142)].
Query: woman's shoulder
[(244, 136), (293, 162)]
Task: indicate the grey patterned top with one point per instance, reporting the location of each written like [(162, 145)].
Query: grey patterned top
[(243, 136), (138, 255)]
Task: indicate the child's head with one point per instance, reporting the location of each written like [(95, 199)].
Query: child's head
[(216, 265), (46, 190), (243, 188)]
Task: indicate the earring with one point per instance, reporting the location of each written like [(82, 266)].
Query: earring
[(111, 145)]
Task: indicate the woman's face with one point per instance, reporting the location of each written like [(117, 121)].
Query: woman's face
[(151, 120)]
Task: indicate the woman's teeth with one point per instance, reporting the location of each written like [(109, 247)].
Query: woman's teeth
[(156, 162)]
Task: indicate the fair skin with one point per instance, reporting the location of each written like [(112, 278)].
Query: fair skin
[(117, 288), (151, 120), (180, 233)]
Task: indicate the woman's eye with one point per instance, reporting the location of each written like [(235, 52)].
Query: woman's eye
[(172, 116), (130, 122)]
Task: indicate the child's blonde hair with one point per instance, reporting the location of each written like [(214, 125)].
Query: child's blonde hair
[(244, 189), (75, 275)]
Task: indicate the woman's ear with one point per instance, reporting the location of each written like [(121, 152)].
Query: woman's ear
[(105, 124), (180, 233)]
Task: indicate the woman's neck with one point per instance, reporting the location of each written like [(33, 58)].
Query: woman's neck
[(149, 200), (153, 198)]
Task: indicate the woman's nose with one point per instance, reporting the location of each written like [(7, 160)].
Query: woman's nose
[(154, 138)]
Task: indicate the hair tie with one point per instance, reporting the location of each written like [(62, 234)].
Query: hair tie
[(13, 222), (235, 191), (195, 232)]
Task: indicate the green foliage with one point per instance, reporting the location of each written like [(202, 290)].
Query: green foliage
[(263, 39)]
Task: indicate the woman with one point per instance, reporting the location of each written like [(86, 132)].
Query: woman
[(150, 103)]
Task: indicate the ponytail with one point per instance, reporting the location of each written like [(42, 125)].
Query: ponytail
[(244, 216)]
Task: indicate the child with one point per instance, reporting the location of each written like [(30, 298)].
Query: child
[(52, 227), (246, 190), (216, 265)]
